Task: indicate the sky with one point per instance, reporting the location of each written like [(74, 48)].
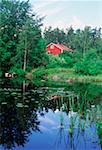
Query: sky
[(66, 13)]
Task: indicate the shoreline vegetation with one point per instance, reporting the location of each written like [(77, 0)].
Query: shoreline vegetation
[(23, 48), (23, 56), (61, 75)]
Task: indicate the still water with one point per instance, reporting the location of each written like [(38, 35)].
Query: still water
[(50, 118)]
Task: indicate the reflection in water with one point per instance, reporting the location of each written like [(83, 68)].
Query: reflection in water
[(61, 135), (16, 118), (23, 105)]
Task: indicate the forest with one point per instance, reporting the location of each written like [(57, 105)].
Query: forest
[(23, 44), (57, 97)]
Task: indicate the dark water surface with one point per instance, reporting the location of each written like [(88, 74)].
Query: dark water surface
[(50, 118)]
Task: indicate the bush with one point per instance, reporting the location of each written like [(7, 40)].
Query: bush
[(91, 64), (39, 73), (18, 72), (70, 58), (55, 61), (0, 73), (99, 130)]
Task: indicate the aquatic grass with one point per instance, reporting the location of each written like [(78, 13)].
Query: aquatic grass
[(99, 130), (81, 102), (71, 126)]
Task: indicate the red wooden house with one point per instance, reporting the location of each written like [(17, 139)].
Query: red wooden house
[(56, 49)]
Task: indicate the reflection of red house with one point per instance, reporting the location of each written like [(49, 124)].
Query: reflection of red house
[(56, 49)]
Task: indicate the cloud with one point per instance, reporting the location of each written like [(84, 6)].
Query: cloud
[(47, 120), (51, 12), (57, 23), (66, 13), (77, 23), (46, 8), (40, 5), (43, 4), (44, 128)]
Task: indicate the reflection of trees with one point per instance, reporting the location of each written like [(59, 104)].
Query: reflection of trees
[(78, 98), (19, 109), (16, 120), (61, 136), (87, 107)]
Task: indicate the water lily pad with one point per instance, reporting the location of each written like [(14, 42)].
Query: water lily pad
[(26, 106), (4, 103), (19, 105), (13, 93)]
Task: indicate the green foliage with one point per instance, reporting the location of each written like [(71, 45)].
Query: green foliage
[(54, 35), (21, 42), (18, 71), (91, 64), (69, 58), (65, 59), (39, 57), (39, 73), (23, 47), (0, 73), (13, 15), (32, 44), (87, 46), (99, 130), (55, 61), (79, 40)]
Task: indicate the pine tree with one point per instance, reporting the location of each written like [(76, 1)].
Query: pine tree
[(20, 35)]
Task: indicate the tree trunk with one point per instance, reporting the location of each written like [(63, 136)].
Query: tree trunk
[(25, 54), (25, 59)]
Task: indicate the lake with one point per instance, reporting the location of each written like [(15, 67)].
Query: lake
[(50, 117)]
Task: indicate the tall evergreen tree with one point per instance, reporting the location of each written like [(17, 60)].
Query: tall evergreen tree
[(30, 48), (19, 35), (54, 35), (13, 15)]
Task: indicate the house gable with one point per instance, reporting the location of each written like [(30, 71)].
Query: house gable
[(56, 49), (53, 49)]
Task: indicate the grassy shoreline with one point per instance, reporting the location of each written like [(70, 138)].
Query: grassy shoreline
[(62, 75), (68, 75)]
